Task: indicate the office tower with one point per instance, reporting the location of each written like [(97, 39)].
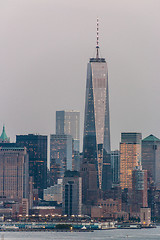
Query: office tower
[(130, 157), (115, 165), (68, 122), (72, 193), (139, 189), (37, 149), (14, 176), (96, 140), (3, 137), (60, 156), (151, 158)]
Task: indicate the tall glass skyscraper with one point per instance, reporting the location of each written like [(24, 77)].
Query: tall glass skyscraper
[(96, 141), (68, 122)]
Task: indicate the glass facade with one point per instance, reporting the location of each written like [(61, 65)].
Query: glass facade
[(115, 165), (96, 141), (130, 157), (60, 155), (68, 122), (151, 158), (37, 149)]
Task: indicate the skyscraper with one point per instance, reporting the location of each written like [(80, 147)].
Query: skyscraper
[(139, 189), (96, 140), (14, 176), (130, 157), (72, 193), (115, 165), (151, 158), (60, 156), (37, 149), (68, 122)]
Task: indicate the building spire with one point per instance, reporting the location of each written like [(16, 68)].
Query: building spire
[(3, 137), (97, 45)]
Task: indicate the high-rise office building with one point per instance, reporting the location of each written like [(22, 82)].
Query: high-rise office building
[(60, 156), (72, 193), (130, 157), (115, 165), (96, 140), (151, 157), (14, 175), (37, 149), (139, 189), (68, 122)]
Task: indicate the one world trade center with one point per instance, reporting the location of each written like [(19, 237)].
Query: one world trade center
[(96, 139)]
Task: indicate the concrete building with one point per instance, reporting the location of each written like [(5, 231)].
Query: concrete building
[(14, 176), (54, 193), (72, 193), (130, 157), (151, 158), (145, 216)]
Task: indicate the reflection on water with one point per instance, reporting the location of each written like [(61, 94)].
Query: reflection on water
[(116, 234)]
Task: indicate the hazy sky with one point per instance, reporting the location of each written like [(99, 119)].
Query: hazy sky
[(44, 49)]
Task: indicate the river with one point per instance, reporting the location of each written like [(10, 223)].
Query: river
[(116, 234)]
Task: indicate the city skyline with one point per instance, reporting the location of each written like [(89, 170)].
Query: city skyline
[(129, 40)]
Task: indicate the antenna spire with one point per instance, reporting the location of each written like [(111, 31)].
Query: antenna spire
[(97, 45)]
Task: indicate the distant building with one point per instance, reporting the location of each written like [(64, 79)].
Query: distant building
[(90, 191), (68, 122), (105, 208), (130, 157), (54, 193), (145, 216), (139, 189), (14, 176), (72, 193), (60, 156), (37, 149), (3, 137), (115, 165), (151, 158)]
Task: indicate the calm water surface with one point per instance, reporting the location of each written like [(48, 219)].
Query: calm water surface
[(116, 234)]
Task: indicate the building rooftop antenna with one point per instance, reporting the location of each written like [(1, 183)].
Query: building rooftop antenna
[(97, 45)]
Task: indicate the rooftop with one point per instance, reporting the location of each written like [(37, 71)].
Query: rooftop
[(151, 138)]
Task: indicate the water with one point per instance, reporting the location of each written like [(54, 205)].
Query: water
[(116, 234)]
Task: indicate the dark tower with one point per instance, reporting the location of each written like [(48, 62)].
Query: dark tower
[(37, 149)]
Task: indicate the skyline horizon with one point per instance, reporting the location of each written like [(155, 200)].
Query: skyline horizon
[(44, 71)]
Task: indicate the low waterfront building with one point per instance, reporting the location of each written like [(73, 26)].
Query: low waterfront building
[(54, 193), (145, 216)]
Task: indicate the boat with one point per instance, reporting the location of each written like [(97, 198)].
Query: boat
[(9, 227)]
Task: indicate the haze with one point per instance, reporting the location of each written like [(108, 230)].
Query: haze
[(44, 49)]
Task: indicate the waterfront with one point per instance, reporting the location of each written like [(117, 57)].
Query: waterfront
[(116, 234)]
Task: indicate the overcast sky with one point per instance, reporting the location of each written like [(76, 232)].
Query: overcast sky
[(44, 49)]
